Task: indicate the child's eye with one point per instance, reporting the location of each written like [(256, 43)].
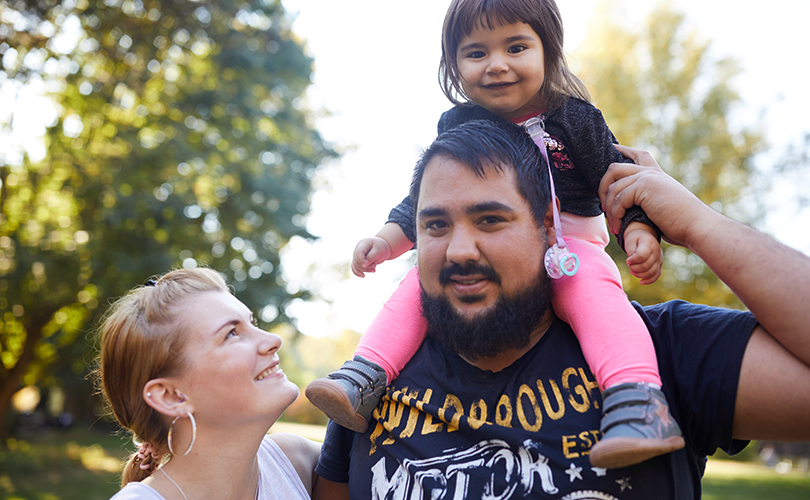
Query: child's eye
[(476, 54), (514, 49)]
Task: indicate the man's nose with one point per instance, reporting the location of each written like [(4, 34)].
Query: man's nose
[(462, 246)]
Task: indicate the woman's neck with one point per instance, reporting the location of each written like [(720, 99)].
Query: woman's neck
[(217, 467)]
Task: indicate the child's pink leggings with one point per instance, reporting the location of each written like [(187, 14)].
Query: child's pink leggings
[(614, 339)]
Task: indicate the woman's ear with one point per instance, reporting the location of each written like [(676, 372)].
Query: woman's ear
[(164, 397)]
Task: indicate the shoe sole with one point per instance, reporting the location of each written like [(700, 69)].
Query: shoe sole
[(330, 397), (618, 452)]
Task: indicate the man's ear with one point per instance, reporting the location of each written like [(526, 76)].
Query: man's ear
[(548, 221), (162, 395)]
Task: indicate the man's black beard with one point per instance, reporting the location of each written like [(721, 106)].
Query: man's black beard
[(508, 325)]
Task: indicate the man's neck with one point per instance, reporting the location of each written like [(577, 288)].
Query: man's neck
[(505, 359)]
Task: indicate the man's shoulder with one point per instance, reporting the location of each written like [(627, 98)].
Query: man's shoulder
[(679, 312)]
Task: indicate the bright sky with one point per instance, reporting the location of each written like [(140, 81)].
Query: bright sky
[(376, 64)]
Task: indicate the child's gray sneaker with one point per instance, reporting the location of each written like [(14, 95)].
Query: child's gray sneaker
[(350, 394), (636, 426)]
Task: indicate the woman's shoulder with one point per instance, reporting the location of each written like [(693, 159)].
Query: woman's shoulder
[(302, 453), (137, 491), (292, 444)]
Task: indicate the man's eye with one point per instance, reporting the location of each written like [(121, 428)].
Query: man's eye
[(232, 334), (491, 219), (435, 225)]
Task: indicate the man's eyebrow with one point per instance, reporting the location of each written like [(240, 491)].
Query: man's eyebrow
[(488, 206), (484, 206), (432, 212)]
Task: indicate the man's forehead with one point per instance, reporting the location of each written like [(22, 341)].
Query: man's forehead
[(448, 180)]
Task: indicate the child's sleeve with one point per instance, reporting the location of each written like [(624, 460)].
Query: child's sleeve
[(402, 215), (581, 127)]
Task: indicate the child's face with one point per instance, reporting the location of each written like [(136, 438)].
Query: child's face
[(502, 69)]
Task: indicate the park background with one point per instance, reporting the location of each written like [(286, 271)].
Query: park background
[(266, 138)]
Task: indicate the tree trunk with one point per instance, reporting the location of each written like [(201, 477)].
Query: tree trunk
[(11, 380)]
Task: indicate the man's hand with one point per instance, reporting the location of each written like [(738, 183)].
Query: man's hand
[(368, 253), (644, 256), (679, 214)]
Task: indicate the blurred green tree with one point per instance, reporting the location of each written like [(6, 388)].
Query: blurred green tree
[(182, 137), (659, 90)]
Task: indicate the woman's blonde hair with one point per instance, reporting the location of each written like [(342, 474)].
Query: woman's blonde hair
[(141, 340), (542, 15)]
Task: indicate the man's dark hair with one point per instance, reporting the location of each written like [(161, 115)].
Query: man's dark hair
[(501, 145)]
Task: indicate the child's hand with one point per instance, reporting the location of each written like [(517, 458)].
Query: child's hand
[(644, 255), (368, 253)]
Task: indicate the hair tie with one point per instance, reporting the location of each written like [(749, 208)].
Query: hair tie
[(148, 456)]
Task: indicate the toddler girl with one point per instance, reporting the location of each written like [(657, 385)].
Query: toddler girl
[(503, 60)]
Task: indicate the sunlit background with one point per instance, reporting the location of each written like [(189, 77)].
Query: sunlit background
[(376, 74), (199, 162)]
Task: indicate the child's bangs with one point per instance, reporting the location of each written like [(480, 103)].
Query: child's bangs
[(490, 14)]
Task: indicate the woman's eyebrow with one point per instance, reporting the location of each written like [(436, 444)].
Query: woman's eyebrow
[(229, 323)]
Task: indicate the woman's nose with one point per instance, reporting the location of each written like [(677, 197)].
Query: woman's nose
[(269, 342)]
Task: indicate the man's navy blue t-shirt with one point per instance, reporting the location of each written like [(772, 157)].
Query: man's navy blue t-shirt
[(446, 429)]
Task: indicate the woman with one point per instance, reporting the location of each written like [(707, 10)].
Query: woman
[(186, 370)]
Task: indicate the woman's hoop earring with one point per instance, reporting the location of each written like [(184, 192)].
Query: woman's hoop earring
[(193, 435)]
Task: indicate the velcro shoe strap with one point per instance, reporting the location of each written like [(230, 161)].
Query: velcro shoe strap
[(357, 372), (623, 416), (627, 397)]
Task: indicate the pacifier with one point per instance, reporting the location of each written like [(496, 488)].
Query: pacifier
[(560, 262)]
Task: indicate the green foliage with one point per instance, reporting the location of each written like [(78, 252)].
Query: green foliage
[(182, 138), (659, 90), (64, 465)]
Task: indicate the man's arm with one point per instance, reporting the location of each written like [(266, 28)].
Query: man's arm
[(771, 279), (325, 489)]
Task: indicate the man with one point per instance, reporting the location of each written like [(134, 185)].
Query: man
[(499, 402)]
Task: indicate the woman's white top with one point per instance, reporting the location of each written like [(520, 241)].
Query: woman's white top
[(277, 479)]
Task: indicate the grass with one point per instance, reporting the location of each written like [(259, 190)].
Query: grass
[(726, 480), (59, 465), (85, 465)]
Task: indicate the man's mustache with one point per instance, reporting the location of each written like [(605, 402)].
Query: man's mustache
[(468, 270)]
